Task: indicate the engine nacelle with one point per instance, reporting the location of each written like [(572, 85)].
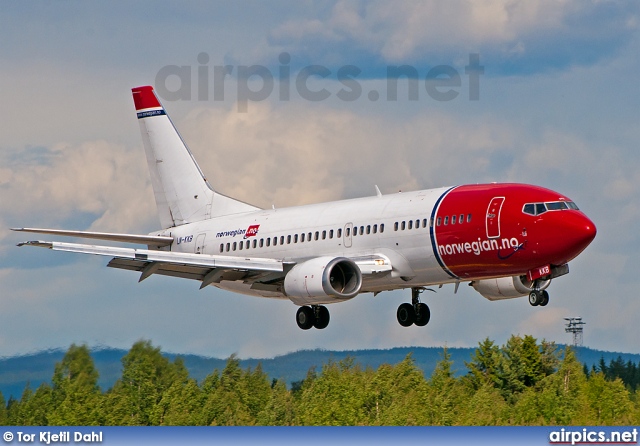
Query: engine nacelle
[(323, 280), (506, 287)]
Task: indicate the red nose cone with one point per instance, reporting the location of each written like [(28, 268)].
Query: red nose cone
[(578, 232)]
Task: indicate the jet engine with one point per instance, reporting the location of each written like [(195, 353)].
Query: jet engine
[(507, 287), (323, 280)]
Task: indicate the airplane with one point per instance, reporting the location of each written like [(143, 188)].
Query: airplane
[(505, 240)]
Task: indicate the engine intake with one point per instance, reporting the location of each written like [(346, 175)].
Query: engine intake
[(323, 280)]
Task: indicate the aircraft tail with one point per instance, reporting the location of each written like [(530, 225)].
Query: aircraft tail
[(182, 192)]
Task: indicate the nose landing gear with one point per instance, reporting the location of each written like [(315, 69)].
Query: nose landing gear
[(416, 312), (538, 297)]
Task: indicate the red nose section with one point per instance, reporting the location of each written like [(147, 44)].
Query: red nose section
[(578, 231)]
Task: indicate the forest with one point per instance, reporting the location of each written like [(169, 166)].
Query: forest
[(523, 382)]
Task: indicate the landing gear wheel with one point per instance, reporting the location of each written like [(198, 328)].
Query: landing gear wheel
[(406, 315), (321, 317), (545, 299), (535, 298), (305, 317), (423, 314)]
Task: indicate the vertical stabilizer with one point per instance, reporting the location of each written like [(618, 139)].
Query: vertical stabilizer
[(182, 192)]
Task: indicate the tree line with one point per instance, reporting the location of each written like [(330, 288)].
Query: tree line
[(523, 382)]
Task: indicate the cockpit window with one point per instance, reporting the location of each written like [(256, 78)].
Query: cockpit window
[(529, 208), (541, 208), (557, 206)]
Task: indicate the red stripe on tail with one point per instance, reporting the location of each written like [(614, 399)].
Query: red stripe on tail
[(144, 97)]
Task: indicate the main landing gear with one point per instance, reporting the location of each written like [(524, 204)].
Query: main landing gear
[(415, 312), (312, 316), (538, 297)]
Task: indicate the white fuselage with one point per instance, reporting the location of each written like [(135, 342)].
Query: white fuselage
[(328, 229)]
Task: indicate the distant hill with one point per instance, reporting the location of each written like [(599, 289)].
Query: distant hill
[(16, 372)]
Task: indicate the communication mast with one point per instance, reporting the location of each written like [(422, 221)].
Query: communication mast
[(575, 325)]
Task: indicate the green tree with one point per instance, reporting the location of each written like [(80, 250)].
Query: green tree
[(398, 395), (237, 397), (146, 376), (559, 398), (609, 401), (34, 407), (76, 395)]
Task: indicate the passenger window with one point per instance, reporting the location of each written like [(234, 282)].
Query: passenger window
[(368, 229), (234, 246), (424, 223), (339, 234), (461, 218), (255, 243), (330, 233), (468, 218), (317, 235), (410, 226), (288, 239), (228, 247), (221, 247), (439, 221), (262, 243), (240, 245), (268, 242), (361, 230), (309, 237), (453, 220), (395, 226), (381, 228), (324, 235), (275, 241), (295, 238), (282, 239), (446, 220), (375, 229), (348, 232), (402, 226), (302, 238)]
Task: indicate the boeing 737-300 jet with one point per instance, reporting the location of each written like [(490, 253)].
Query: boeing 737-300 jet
[(505, 240)]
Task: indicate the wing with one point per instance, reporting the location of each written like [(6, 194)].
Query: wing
[(207, 268), (150, 240)]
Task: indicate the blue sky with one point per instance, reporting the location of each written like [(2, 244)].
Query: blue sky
[(558, 107)]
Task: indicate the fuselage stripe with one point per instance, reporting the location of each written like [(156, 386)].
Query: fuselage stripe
[(432, 230)]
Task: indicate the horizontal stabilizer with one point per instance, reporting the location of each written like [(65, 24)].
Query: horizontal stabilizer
[(149, 240)]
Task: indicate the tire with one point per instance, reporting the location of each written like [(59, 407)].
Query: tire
[(545, 299), (305, 317), (406, 315), (423, 314), (322, 319), (535, 298)]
